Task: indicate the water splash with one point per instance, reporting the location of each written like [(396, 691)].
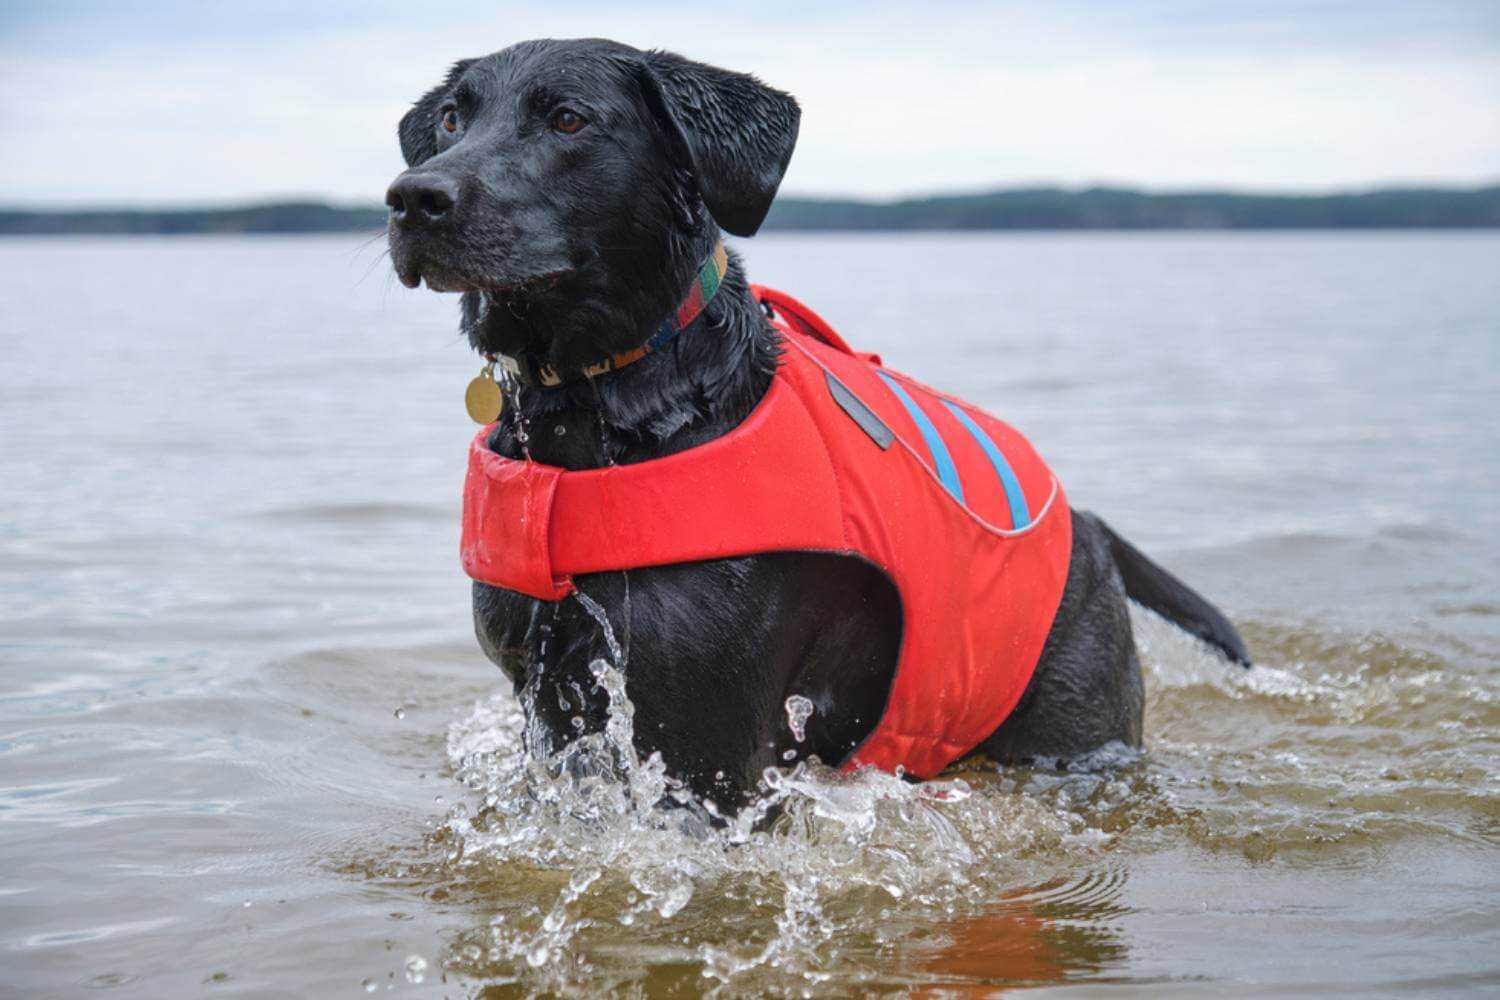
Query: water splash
[(616, 848), (510, 388), (818, 849), (597, 612), (798, 710)]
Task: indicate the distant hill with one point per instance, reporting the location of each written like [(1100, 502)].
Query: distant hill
[(282, 217), (1118, 208), (1026, 208)]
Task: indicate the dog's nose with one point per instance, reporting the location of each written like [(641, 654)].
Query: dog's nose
[(422, 199)]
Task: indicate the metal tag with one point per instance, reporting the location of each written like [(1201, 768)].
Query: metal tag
[(483, 398)]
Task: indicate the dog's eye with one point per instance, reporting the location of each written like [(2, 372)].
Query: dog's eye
[(450, 120), (567, 121)]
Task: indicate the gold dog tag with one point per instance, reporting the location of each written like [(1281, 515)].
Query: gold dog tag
[(483, 398)]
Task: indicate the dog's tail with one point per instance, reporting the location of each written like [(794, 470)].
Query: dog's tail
[(1153, 587)]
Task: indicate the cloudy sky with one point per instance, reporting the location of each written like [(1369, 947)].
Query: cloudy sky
[(133, 102)]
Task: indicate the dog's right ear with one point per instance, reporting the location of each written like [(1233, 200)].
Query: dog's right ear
[(417, 130), (736, 133)]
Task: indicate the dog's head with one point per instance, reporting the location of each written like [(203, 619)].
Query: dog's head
[(575, 185)]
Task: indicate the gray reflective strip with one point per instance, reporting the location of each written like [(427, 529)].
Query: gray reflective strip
[(859, 412)]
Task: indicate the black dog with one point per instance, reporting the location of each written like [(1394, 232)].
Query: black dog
[(570, 190)]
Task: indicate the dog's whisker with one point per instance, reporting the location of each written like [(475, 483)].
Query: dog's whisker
[(384, 255), (363, 246)]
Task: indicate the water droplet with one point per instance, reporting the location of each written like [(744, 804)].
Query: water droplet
[(789, 755), (798, 711), (596, 612), (416, 968), (582, 879), (676, 898), (370, 986), (559, 430), (400, 712)]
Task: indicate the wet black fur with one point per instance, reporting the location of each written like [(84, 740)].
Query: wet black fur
[(569, 247)]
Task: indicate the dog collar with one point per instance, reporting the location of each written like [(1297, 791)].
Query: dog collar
[(528, 371)]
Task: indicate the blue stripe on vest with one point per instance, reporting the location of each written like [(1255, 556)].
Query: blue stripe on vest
[(946, 471), (1020, 517)]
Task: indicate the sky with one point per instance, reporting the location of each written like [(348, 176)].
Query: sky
[(151, 103)]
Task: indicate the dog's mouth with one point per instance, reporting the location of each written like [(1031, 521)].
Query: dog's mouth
[(523, 287), (442, 279)]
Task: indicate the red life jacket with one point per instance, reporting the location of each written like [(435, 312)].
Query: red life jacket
[(840, 455)]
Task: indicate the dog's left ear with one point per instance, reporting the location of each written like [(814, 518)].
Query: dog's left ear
[(736, 132)]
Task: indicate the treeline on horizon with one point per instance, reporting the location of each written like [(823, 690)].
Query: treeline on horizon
[(1015, 209)]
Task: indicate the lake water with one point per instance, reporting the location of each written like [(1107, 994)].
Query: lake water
[(248, 744)]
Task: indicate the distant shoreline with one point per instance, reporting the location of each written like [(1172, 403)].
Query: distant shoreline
[(1017, 209)]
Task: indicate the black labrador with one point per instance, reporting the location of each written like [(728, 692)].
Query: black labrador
[(570, 190)]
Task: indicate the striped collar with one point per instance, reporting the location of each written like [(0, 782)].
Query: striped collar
[(706, 283)]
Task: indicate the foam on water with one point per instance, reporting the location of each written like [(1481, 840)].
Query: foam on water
[(834, 837), (818, 849)]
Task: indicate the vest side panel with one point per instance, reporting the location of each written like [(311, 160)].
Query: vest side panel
[(969, 670), (978, 603)]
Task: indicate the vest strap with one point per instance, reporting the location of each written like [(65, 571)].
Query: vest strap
[(768, 487)]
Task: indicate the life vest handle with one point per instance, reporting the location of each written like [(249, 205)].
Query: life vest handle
[(806, 321)]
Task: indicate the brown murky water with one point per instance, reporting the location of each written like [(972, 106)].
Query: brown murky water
[(248, 746)]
